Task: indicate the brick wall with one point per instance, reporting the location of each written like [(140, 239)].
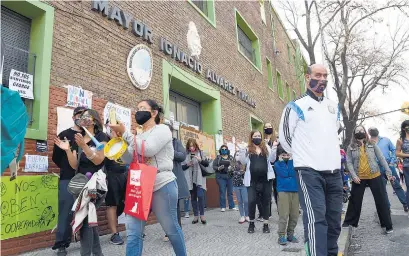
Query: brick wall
[(91, 51)]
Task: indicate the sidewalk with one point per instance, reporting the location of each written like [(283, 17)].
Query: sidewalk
[(222, 235)]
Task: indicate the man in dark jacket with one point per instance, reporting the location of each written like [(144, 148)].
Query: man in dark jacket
[(179, 157)]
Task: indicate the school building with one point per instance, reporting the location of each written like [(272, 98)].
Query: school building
[(225, 67)]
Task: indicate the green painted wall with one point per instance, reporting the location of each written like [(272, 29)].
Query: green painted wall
[(187, 84), (41, 38)]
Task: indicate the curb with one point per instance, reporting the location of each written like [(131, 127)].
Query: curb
[(344, 241)]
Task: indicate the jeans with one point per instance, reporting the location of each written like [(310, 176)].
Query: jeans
[(89, 240), (225, 182), (242, 198), (197, 198), (400, 193), (186, 202), (65, 202), (320, 197), (406, 175), (164, 205)]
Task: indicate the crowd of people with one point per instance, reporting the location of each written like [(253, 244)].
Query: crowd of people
[(303, 166)]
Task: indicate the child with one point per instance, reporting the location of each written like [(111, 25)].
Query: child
[(288, 201)]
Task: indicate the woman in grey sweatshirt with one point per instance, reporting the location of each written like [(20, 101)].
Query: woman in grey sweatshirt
[(159, 153)]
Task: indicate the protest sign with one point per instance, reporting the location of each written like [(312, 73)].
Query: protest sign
[(36, 163), (123, 114), (22, 83), (78, 97), (28, 205), (206, 142)]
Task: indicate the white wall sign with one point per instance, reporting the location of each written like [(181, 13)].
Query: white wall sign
[(22, 83), (193, 40), (139, 66), (64, 119), (78, 97), (36, 163), (123, 114)]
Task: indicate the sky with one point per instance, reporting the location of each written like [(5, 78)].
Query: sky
[(384, 101)]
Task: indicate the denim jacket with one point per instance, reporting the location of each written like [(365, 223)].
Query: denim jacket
[(373, 153)]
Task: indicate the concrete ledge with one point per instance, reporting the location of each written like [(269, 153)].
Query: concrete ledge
[(344, 241)]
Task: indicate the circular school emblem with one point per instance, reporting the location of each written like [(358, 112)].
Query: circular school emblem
[(139, 66)]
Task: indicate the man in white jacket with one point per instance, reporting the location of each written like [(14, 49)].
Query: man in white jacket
[(309, 131)]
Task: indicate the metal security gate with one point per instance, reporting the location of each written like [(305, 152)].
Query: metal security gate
[(185, 110), (15, 37)]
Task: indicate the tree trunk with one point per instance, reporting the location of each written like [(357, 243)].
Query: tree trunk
[(349, 132)]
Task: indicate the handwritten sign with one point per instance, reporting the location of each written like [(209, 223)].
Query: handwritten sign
[(206, 142), (64, 119), (28, 205), (36, 163), (123, 114), (22, 83), (78, 97)]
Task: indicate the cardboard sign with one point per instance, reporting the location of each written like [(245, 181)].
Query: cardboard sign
[(123, 114), (64, 119), (206, 142), (29, 204), (78, 97), (41, 146), (36, 163), (22, 83)]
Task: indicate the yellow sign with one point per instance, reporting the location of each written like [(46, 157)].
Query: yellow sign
[(405, 108), (206, 142), (29, 204)]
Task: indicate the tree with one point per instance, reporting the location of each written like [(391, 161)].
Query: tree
[(359, 60)]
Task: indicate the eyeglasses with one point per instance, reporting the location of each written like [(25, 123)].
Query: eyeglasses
[(224, 149), (86, 117)]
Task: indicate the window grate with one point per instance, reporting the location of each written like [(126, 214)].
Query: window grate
[(202, 5), (246, 45)]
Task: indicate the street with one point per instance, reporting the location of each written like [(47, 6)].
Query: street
[(368, 238)]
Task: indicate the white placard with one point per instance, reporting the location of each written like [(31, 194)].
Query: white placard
[(232, 148), (22, 83), (36, 163), (123, 114), (176, 125), (64, 119), (218, 138), (78, 97)]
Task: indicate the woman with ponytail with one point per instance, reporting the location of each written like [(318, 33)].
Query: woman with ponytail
[(159, 152)]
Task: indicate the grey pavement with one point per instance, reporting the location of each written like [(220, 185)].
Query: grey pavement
[(369, 239), (222, 235)]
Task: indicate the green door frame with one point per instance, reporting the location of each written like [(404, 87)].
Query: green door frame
[(196, 89)]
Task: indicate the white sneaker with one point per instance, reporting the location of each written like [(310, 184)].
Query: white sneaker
[(234, 209), (223, 209), (186, 215), (247, 219), (242, 220)]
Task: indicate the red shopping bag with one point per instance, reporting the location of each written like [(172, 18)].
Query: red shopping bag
[(139, 187)]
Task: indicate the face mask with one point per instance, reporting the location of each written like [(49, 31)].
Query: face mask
[(224, 152), (77, 121), (268, 131), (256, 141), (360, 136), (192, 149), (318, 86), (374, 133), (142, 117)]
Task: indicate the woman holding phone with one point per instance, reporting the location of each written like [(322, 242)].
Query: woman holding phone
[(195, 180), (159, 152)]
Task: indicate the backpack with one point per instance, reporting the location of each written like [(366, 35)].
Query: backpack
[(14, 121)]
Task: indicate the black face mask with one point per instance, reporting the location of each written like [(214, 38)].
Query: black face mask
[(360, 136), (256, 141), (374, 133), (142, 117), (268, 131)]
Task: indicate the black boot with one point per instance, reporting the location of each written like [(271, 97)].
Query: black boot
[(251, 228), (266, 229)]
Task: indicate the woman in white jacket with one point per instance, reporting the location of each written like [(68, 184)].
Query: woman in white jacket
[(258, 176)]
